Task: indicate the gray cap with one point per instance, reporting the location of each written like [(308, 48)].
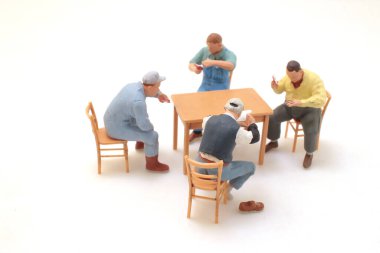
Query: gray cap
[(234, 105), (152, 78)]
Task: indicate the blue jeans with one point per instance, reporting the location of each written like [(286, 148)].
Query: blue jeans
[(214, 78), (236, 172)]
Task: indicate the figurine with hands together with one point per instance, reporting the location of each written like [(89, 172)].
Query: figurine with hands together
[(249, 119), (304, 99)]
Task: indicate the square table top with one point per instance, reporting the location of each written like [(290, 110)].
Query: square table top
[(193, 107)]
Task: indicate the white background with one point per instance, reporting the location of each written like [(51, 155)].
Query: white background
[(55, 56)]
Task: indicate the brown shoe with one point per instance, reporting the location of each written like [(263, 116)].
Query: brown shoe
[(250, 206), (153, 164), (271, 145), (193, 136), (139, 145), (307, 161)]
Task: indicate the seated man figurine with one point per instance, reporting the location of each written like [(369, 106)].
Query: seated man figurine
[(217, 63), (221, 133), (127, 118), (305, 95)]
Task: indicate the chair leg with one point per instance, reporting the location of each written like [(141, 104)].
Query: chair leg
[(319, 134), (286, 129), (217, 211), (99, 163), (294, 144), (189, 205), (225, 193), (295, 137), (126, 157)]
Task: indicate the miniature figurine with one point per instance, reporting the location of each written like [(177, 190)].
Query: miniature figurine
[(127, 118), (305, 95), (217, 63)]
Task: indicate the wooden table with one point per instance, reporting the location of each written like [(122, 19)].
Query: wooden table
[(193, 107)]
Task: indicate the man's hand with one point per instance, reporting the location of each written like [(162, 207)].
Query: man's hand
[(274, 83), (248, 121), (197, 69), (163, 98), (292, 103), (207, 63)]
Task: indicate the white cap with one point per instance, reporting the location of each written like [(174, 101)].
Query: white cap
[(234, 105), (152, 78)]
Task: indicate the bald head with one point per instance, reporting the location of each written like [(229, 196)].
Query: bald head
[(214, 38), (214, 43)]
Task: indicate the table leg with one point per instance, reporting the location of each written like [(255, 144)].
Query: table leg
[(264, 134), (175, 128), (185, 145)]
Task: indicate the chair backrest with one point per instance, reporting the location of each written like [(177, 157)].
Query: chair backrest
[(202, 181), (90, 112), (326, 103)]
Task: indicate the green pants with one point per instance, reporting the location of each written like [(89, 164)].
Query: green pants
[(310, 119)]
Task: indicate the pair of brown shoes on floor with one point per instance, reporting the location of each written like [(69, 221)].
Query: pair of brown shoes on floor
[(250, 206), (306, 161)]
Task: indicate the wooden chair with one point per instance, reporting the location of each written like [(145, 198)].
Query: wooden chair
[(297, 126), (102, 139), (205, 182), (230, 77)]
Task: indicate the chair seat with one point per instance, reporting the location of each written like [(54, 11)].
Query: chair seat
[(105, 139)]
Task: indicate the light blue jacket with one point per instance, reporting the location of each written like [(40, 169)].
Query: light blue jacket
[(127, 111)]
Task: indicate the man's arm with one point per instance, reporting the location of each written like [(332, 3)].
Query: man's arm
[(222, 64), (278, 87), (162, 97), (228, 63), (196, 60), (318, 97), (194, 68), (251, 134), (141, 116), (255, 133)]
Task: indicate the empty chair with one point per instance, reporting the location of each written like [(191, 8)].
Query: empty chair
[(102, 139)]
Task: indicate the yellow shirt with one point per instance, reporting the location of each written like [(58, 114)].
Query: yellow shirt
[(311, 92)]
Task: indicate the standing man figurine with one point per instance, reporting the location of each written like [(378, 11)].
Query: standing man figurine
[(217, 63), (127, 118), (305, 95)]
